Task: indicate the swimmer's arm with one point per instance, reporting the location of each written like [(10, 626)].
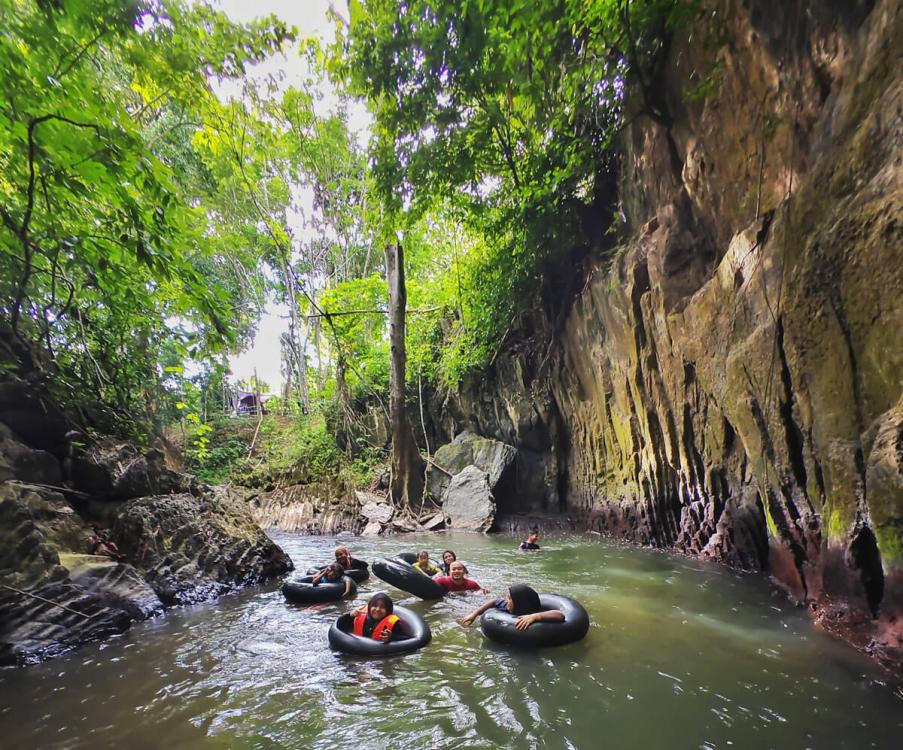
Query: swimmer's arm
[(347, 586), (485, 607), (550, 615)]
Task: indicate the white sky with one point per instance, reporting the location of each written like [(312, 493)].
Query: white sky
[(311, 19)]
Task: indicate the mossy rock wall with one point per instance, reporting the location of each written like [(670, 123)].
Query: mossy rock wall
[(730, 384)]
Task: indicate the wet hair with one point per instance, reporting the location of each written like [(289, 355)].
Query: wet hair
[(423, 553), (449, 552), (525, 600), (385, 598), (335, 568)]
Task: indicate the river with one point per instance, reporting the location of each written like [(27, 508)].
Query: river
[(680, 654)]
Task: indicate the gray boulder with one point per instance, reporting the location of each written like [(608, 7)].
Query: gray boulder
[(468, 502), (493, 457), (379, 512)]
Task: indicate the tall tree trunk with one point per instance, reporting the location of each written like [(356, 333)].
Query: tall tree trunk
[(406, 466), (298, 342)]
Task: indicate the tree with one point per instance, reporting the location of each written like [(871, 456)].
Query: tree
[(406, 466), (507, 112), (102, 245)]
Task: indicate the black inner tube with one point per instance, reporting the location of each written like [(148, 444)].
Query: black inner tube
[(302, 590), (341, 637), (499, 626), (358, 574), (404, 576), (410, 557)]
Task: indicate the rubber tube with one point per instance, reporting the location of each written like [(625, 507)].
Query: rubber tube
[(302, 590), (404, 576), (341, 637), (358, 575), (411, 558), (499, 626)]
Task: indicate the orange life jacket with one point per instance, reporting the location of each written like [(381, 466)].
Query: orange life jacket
[(387, 623)]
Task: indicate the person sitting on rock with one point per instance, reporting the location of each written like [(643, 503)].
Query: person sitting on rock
[(425, 565), (376, 620), (99, 543), (333, 573), (456, 583), (530, 542), (522, 602)]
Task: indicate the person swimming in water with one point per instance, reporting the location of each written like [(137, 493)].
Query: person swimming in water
[(530, 542), (448, 557), (521, 601), (333, 573), (376, 620), (343, 557), (456, 583), (424, 565)]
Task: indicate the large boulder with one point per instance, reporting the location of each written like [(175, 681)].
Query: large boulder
[(493, 457), (191, 548), (160, 550), (18, 461), (49, 603), (122, 472), (468, 502)]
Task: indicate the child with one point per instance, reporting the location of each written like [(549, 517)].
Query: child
[(522, 602), (424, 565), (376, 620), (448, 557), (333, 573)]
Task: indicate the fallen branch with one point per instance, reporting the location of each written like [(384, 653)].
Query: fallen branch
[(441, 468), (48, 601), (369, 312), (51, 487)]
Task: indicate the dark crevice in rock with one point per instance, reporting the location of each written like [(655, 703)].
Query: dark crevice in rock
[(792, 432), (640, 287), (790, 534), (867, 559), (562, 447), (837, 308)]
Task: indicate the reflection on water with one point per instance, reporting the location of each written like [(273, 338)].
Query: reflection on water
[(679, 655)]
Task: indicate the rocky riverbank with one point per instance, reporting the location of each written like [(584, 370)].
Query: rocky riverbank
[(95, 536)]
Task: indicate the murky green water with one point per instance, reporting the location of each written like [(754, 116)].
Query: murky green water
[(679, 655)]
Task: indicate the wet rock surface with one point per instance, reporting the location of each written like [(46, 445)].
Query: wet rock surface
[(82, 557), (308, 509), (727, 383)]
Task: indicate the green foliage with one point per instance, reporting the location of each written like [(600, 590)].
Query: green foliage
[(504, 113), (105, 235), (221, 462)]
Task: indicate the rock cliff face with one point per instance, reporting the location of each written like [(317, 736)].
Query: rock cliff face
[(730, 383), (93, 539)]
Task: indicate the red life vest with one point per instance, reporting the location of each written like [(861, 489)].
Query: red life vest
[(387, 623)]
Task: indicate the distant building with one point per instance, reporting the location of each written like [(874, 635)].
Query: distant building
[(244, 403)]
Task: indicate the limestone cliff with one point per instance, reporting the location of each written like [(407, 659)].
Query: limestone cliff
[(729, 382)]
